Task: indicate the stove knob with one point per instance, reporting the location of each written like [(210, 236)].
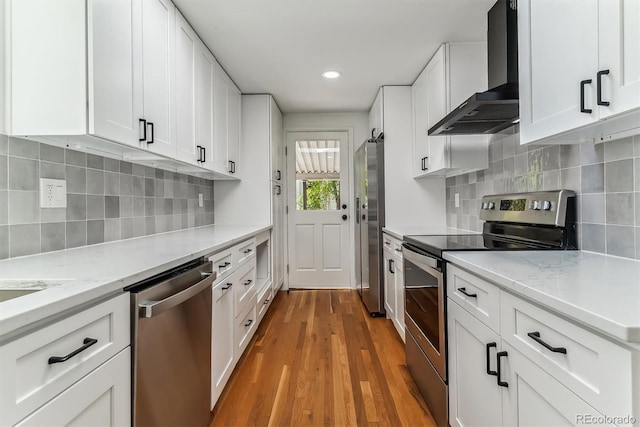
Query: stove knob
[(536, 205), (484, 206), (491, 205), (546, 205)]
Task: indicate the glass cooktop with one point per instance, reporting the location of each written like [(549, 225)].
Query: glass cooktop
[(435, 245)]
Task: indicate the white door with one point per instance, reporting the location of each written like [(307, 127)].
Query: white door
[(436, 109), (186, 57), (158, 35), (318, 182)]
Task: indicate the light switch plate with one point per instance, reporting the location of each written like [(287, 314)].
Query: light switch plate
[(53, 193)]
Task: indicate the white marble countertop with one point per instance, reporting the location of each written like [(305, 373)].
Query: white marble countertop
[(73, 277), (401, 231), (597, 290)]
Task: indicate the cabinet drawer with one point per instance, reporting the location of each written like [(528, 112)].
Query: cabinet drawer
[(244, 251), (222, 264), (597, 370), (29, 380), (477, 296), (223, 288), (244, 328), (245, 287), (263, 302)]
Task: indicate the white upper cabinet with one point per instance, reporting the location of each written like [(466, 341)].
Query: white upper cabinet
[(205, 73), (579, 63), (234, 101), (188, 57), (454, 73), (376, 115), (226, 123)]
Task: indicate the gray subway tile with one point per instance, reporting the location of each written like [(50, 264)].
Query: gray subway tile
[(618, 175), (591, 153), (150, 225), (551, 180), (570, 179), (111, 206), (126, 206), (76, 179), (138, 170), (593, 208), (4, 239), (111, 183), (53, 170), (24, 239), (149, 206), (636, 169), (149, 172), (593, 237), (159, 188), (159, 174), (19, 147), (95, 162), (95, 181), (168, 206), (24, 174), (4, 144), (569, 156), (4, 172), (4, 207), (139, 226), (168, 188), (76, 207), (111, 165), (637, 205), (75, 158), (95, 206), (126, 168), (111, 230), (138, 206), (95, 232), (618, 149), (521, 164), (53, 215), (592, 178), (24, 207), (637, 242), (52, 237), (149, 187), (126, 185), (126, 228), (551, 158), (620, 241), (535, 161), (51, 153), (137, 185), (76, 234), (620, 209)]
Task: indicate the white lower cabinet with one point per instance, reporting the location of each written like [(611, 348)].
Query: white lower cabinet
[(222, 344), (532, 368), (102, 398), (394, 282)]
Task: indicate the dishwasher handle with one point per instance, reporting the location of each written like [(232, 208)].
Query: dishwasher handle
[(153, 308)]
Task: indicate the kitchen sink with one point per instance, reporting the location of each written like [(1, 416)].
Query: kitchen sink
[(7, 294)]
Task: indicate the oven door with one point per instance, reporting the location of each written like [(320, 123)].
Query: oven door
[(425, 304)]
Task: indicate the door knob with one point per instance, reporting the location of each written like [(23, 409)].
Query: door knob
[(344, 206), (344, 217)]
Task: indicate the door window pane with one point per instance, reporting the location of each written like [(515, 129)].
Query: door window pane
[(318, 175)]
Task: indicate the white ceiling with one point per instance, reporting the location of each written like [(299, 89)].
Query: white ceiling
[(282, 46)]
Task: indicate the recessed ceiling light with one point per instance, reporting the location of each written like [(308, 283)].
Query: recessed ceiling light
[(331, 74)]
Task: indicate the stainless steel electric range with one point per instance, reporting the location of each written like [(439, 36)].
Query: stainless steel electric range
[(521, 221)]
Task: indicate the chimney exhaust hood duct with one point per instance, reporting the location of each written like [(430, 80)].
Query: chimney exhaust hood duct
[(496, 109)]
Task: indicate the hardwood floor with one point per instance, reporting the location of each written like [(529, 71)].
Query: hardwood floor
[(319, 359)]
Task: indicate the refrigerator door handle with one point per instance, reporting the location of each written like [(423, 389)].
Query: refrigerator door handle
[(357, 210)]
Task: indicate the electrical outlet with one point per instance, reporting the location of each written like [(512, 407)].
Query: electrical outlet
[(200, 200), (457, 199), (53, 193)]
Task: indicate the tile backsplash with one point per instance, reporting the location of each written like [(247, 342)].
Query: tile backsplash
[(606, 178), (107, 199)]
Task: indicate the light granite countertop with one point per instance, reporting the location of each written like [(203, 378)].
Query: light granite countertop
[(72, 277), (400, 231), (600, 291)]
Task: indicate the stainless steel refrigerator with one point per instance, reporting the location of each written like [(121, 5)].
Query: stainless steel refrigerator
[(369, 202)]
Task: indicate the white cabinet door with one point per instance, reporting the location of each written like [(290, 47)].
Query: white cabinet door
[(205, 73), (222, 342), (376, 115), (557, 50), (115, 70), (277, 144), (389, 285), (234, 106), (619, 52), (474, 395), (437, 108), (102, 398), (535, 398), (220, 122), (399, 289), (420, 126), (158, 31), (185, 83)]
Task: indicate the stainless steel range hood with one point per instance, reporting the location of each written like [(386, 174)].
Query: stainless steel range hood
[(498, 108)]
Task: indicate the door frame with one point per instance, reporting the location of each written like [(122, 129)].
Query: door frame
[(350, 210)]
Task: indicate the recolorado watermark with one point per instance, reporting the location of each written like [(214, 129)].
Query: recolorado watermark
[(589, 419)]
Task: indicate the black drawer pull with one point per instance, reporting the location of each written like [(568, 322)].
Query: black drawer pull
[(464, 292), (536, 337), (600, 101), (226, 264), (489, 347), (248, 282), (266, 301), (144, 130), (88, 342), (391, 269), (152, 133), (249, 322), (248, 251), (583, 83), (228, 285), (500, 355)]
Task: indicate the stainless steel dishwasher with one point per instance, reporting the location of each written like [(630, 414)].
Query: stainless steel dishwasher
[(171, 340)]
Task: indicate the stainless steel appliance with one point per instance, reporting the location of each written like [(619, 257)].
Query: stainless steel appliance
[(171, 336), (526, 221), (369, 202)]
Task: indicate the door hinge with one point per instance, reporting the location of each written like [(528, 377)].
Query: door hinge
[(286, 209), (287, 268), (285, 151)]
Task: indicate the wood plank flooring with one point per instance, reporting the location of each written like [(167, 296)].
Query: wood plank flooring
[(319, 359)]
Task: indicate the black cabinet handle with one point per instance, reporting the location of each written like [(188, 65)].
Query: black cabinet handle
[(232, 166), (88, 342), (599, 89), (391, 262), (248, 251), (152, 133), (489, 347), (278, 190), (224, 288), (500, 355), (536, 337), (278, 175), (204, 154), (424, 163), (199, 153), (373, 131), (144, 130), (582, 85), (266, 301), (464, 292), (226, 264), (248, 282), (249, 322)]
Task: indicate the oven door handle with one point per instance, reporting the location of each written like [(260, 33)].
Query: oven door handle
[(420, 259)]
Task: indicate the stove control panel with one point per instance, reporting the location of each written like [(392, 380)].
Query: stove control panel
[(544, 207)]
